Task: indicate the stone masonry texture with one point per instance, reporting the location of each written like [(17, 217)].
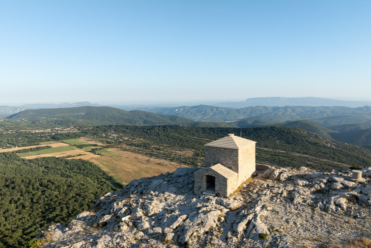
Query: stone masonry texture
[(242, 161)]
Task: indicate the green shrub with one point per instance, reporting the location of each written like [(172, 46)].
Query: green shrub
[(263, 236), (355, 167), (35, 243)]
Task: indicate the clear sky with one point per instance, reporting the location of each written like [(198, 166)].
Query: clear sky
[(190, 50)]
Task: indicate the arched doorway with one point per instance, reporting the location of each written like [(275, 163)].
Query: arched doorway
[(210, 183)]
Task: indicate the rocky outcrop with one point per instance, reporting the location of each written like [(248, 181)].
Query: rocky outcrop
[(280, 207)]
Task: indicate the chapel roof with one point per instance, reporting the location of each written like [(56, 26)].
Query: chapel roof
[(223, 171), (231, 142)]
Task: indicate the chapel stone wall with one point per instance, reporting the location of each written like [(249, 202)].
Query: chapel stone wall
[(227, 157), (246, 163), (221, 183)]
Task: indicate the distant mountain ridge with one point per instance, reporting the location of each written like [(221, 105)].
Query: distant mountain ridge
[(278, 114), (10, 110), (293, 101), (91, 115)]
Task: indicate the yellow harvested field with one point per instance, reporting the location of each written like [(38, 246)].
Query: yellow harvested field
[(61, 154), (58, 145), (129, 166), (122, 165), (28, 147), (86, 156)]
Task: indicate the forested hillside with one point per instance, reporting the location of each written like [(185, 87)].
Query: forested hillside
[(310, 126), (101, 116), (277, 145), (359, 137), (278, 114), (19, 138), (37, 193)]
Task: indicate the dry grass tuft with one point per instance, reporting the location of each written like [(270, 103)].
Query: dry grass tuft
[(359, 243)]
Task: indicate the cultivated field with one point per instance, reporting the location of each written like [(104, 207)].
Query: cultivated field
[(47, 151), (122, 165), (52, 144), (126, 166)]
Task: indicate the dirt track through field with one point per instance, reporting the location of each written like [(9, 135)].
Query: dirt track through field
[(54, 145)]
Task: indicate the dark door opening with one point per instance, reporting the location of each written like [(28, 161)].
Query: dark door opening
[(210, 183)]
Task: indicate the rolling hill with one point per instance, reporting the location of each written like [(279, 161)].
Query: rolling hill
[(351, 127), (359, 138), (309, 126), (106, 116), (343, 120), (283, 146), (278, 114), (293, 101), (254, 123), (11, 110)]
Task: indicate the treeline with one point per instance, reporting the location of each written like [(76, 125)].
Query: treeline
[(33, 149), (20, 138), (37, 193)]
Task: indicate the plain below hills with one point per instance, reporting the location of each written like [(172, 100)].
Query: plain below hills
[(91, 115)]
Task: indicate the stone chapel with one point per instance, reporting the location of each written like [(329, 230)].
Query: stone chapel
[(229, 162)]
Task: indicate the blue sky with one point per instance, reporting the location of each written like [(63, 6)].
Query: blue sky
[(166, 51)]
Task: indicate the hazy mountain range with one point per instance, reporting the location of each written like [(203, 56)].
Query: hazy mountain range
[(10, 110), (347, 124), (292, 101), (97, 115)]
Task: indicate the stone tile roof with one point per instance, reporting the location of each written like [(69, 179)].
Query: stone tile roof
[(224, 171), (231, 142)]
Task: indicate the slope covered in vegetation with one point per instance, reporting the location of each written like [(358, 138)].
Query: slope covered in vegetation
[(91, 116), (37, 193), (309, 126), (359, 137), (279, 114), (282, 146)]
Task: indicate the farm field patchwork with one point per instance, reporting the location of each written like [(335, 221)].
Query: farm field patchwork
[(124, 166), (52, 144), (75, 142), (128, 166), (47, 151)]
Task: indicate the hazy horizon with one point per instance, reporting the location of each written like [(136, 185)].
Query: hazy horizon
[(166, 103)]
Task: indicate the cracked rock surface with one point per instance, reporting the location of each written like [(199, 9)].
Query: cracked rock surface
[(280, 207)]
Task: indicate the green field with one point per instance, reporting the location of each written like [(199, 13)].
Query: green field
[(107, 153), (47, 151), (74, 142), (87, 149)]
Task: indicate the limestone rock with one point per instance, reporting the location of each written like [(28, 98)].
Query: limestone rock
[(336, 185), (275, 173), (164, 212), (283, 176), (342, 203), (348, 184)]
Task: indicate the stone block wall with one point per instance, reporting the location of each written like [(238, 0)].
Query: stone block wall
[(223, 186), (246, 163), (227, 157), (232, 185)]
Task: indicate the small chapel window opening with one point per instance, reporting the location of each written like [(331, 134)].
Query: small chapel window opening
[(210, 183)]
